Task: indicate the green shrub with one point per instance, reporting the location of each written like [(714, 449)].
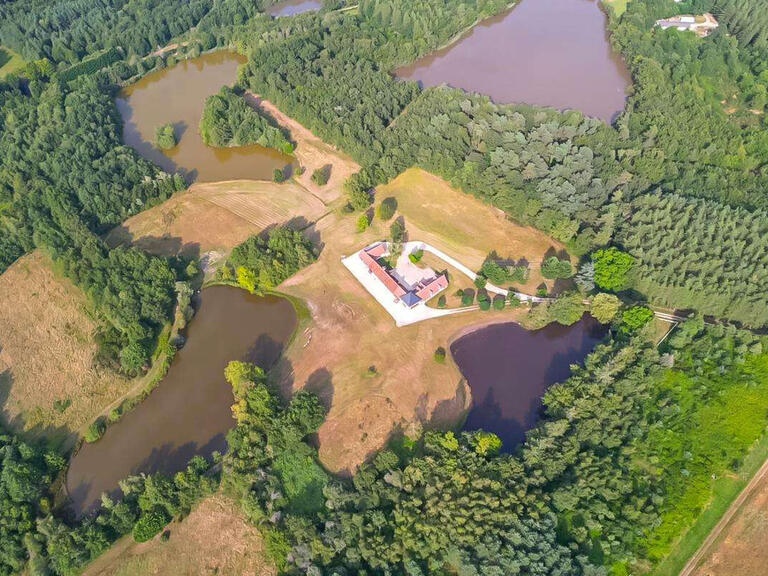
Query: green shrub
[(321, 175), (498, 302), (114, 415), (95, 430), (441, 302), (416, 256), (278, 175), (485, 305), (149, 526), (363, 223), (480, 281), (467, 297), (440, 355)]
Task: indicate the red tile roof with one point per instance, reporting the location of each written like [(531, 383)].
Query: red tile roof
[(433, 287), (381, 274)]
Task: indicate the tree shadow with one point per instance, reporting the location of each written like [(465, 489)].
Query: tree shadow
[(320, 383)]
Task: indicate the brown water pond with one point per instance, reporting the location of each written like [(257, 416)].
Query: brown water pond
[(177, 95), (543, 52), (508, 369), (293, 7), (189, 413)]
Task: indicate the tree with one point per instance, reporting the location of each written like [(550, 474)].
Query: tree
[(611, 268), (387, 208), (165, 138), (554, 268), (604, 307), (635, 318), (149, 526), (567, 309)]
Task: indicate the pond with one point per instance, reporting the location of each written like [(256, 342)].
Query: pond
[(508, 369), (177, 95), (293, 7), (543, 52), (189, 412)]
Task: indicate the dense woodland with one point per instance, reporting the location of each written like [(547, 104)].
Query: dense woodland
[(622, 462), (228, 120)]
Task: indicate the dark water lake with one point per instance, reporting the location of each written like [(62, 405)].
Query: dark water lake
[(293, 7), (189, 412), (544, 52), (508, 369), (177, 95)]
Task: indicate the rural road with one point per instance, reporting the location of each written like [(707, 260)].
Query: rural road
[(694, 561)]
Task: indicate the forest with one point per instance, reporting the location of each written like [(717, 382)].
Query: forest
[(228, 120)]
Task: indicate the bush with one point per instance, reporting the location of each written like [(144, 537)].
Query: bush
[(441, 302), (416, 256), (321, 175), (485, 305), (467, 297), (149, 526), (165, 138), (480, 281), (278, 175), (363, 223), (387, 208), (95, 430), (440, 355), (498, 302), (514, 301), (554, 268)]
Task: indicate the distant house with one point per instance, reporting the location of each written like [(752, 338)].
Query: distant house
[(410, 296), (701, 25)]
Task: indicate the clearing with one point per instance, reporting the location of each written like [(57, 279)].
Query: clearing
[(350, 332), (50, 383), (214, 539), (312, 153), (10, 61), (217, 216)]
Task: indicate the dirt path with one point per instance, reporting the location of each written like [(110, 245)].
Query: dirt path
[(704, 549)]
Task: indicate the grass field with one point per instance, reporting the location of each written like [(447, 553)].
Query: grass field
[(216, 216), (350, 332), (49, 382), (214, 539), (730, 556), (10, 61)]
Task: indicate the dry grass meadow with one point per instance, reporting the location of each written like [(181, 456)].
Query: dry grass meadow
[(214, 539), (49, 382), (216, 216), (349, 332)]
